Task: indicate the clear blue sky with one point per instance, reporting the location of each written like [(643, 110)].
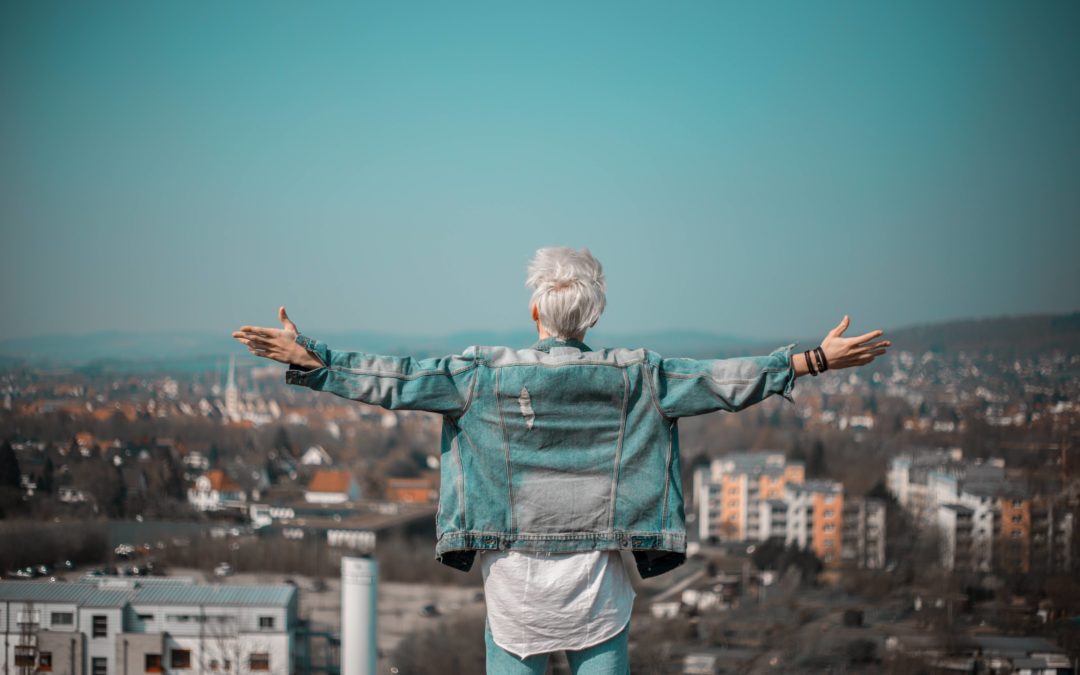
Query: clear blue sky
[(756, 169)]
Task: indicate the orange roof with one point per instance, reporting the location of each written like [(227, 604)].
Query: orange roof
[(221, 482), (330, 480)]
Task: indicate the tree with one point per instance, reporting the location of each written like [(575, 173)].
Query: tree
[(47, 474), (816, 467), (10, 474)]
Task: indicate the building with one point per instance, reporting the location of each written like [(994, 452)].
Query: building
[(214, 491), (122, 626), (332, 486), (864, 532), (759, 496), (987, 521), (316, 455), (419, 490), (729, 493), (815, 519)]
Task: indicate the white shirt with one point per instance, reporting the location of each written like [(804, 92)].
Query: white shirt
[(545, 602)]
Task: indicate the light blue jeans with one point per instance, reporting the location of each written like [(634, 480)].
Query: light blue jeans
[(610, 657)]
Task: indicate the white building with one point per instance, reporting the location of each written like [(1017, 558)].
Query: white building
[(147, 626), (214, 491), (316, 455)]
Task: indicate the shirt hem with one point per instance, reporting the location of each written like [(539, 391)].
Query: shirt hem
[(591, 643)]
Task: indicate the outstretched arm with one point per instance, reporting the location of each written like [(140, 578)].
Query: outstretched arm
[(686, 387), (441, 385)]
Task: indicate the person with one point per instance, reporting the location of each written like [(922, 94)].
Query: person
[(557, 457)]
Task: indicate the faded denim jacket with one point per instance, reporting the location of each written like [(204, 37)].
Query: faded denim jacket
[(556, 447)]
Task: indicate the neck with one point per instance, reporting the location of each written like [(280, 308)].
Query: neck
[(543, 334)]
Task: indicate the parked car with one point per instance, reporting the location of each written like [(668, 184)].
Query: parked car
[(223, 570)]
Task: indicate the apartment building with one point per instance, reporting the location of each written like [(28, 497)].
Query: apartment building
[(987, 521), (756, 496), (124, 626), (730, 491)]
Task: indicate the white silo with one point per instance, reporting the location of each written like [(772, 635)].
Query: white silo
[(359, 584)]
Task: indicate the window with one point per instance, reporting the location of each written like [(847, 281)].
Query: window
[(181, 658), (153, 663), (733, 504), (63, 618), (213, 664), (1017, 518), (266, 622), (24, 656), (829, 513), (45, 662), (99, 666), (259, 661), (1015, 534), (101, 626), (829, 543), (829, 527), (228, 664), (146, 617)]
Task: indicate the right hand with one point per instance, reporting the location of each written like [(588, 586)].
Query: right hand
[(842, 352)]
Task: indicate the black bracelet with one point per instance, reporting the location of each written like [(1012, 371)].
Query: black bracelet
[(821, 357), (817, 361), (809, 363)]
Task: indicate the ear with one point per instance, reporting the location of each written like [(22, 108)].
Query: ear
[(535, 312)]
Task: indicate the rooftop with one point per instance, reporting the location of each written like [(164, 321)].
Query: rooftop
[(103, 594)]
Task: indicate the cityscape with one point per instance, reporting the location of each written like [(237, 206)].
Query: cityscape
[(915, 516)]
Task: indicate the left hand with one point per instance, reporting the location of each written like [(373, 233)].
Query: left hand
[(278, 344)]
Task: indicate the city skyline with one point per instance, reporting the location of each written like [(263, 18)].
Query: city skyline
[(392, 169)]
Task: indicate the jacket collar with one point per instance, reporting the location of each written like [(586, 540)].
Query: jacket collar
[(546, 344)]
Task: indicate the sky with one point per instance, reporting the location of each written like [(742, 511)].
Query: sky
[(751, 169)]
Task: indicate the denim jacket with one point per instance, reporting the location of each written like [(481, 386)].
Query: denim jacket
[(556, 447)]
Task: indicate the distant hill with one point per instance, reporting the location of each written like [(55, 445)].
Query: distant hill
[(1024, 334), (199, 351)]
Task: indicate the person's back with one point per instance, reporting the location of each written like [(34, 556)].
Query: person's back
[(556, 457)]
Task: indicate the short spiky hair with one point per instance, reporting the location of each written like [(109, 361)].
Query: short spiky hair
[(568, 289)]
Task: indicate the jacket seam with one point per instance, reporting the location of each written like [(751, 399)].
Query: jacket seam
[(460, 478), (471, 394), (402, 376), (506, 451), (698, 376), (621, 364), (667, 480), (618, 450), (647, 376)]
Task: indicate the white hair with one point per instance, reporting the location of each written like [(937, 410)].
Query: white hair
[(568, 289)]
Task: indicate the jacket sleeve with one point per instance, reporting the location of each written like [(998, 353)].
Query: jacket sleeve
[(441, 384), (686, 387)]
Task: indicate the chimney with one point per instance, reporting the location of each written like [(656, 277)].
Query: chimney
[(359, 583)]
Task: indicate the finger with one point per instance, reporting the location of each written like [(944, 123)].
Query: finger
[(258, 334), (259, 330), (871, 346), (256, 343), (841, 327), (285, 320), (866, 337)]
